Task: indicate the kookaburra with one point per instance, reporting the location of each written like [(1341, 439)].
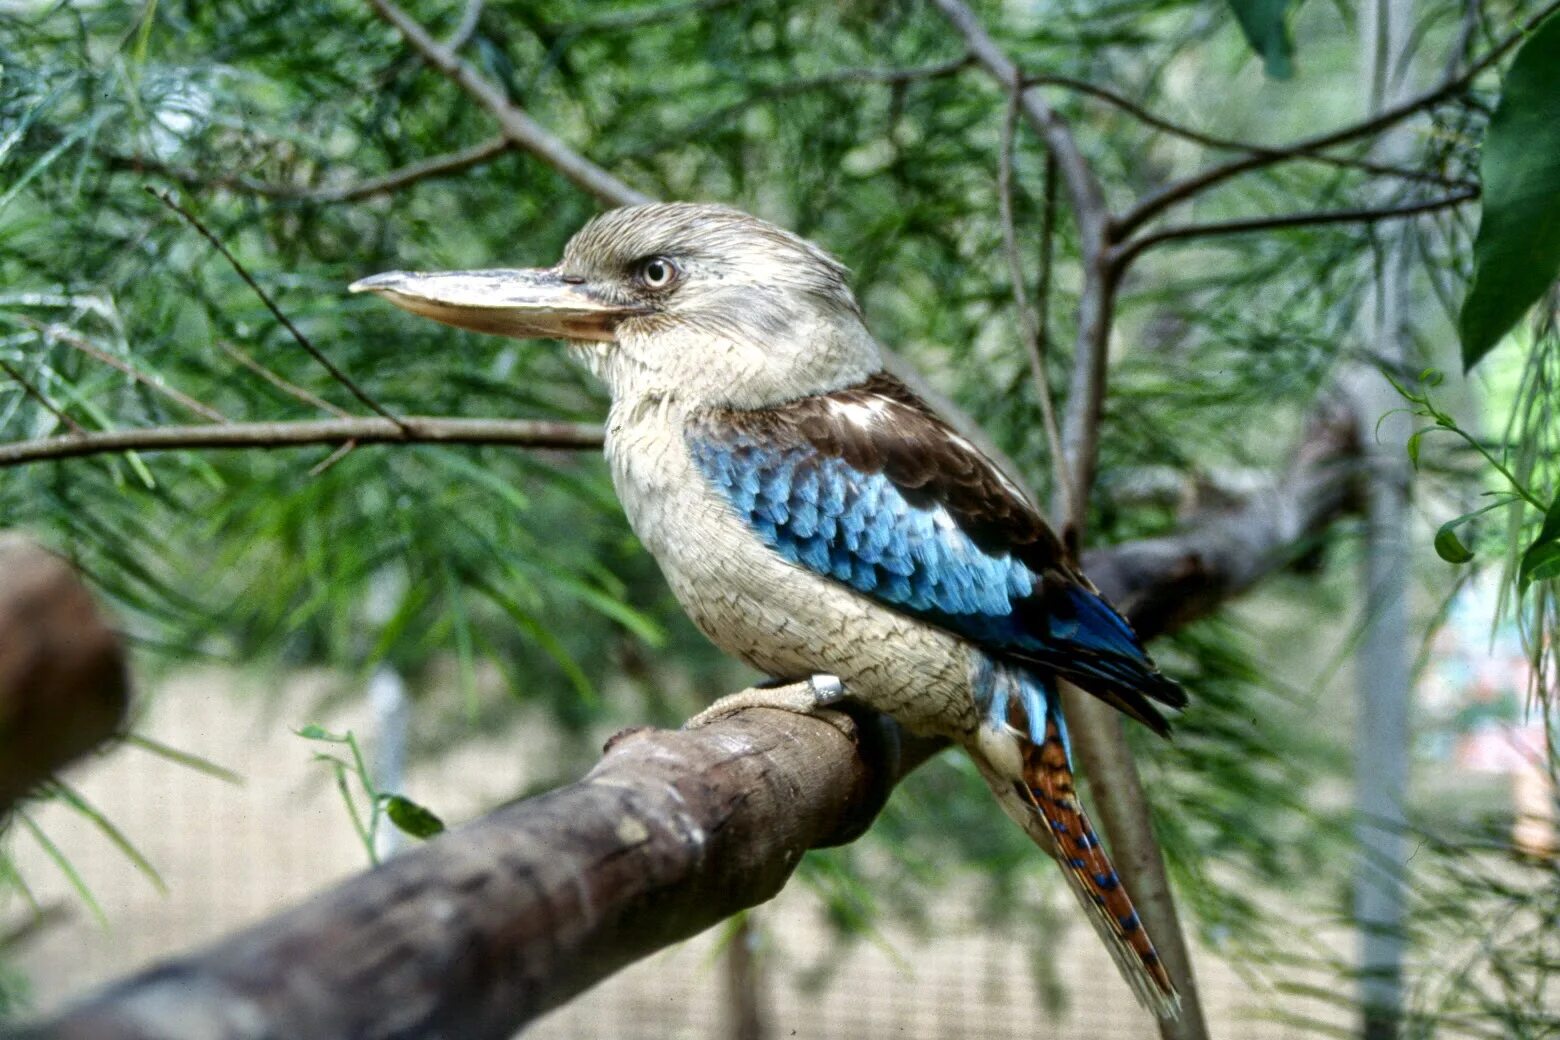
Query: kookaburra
[(818, 520)]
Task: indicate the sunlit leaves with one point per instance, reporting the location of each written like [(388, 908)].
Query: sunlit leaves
[(1517, 252)]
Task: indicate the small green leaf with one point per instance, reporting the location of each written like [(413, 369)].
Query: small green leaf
[(412, 818), (1517, 252), (1432, 377), (1413, 446), (1448, 546), (314, 731), (1541, 561), (1266, 29)]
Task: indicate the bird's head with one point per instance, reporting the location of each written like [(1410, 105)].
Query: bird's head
[(697, 302)]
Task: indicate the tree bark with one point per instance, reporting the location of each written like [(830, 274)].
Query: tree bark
[(486, 927), (63, 682)]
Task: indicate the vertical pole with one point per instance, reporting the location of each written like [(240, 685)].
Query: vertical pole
[(745, 1018), (1383, 668), (392, 718)]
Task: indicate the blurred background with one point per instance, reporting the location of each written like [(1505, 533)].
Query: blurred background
[(479, 619)]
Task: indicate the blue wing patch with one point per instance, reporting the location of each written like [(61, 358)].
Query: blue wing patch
[(893, 504), (859, 529)]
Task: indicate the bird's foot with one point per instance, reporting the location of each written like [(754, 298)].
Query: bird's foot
[(803, 698)]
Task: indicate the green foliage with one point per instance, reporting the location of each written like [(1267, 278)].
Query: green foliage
[(406, 815), (1448, 546), (1265, 24), (1541, 560), (411, 818), (1517, 252)]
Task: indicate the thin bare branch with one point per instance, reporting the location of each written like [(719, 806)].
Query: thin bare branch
[(1083, 188), (385, 183), (467, 25), (290, 389), (517, 125), (334, 457), (524, 433), (1097, 734), (1032, 330), (1129, 251), (1207, 140), (618, 21), (1085, 400), (38, 395), (276, 312), (1181, 190), (92, 350), (893, 77)]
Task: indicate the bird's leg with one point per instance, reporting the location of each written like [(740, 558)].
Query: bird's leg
[(804, 697)]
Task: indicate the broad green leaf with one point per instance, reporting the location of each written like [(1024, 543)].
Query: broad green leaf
[(1542, 559), (1266, 28), (1517, 251), (1448, 546), (412, 818)]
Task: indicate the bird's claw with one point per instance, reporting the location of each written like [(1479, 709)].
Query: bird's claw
[(803, 698)]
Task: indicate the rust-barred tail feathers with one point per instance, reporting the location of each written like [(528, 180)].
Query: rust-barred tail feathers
[(1025, 756), (1048, 787)]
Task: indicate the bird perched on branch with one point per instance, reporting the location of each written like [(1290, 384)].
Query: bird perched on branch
[(821, 522)]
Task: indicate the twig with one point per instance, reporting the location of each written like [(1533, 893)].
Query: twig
[(1080, 427), (394, 180), (291, 389), (527, 433), (466, 26), (1178, 191), (90, 349), (276, 312), (517, 125), (634, 19), (41, 398), (334, 457), (1033, 331), (1097, 730), (893, 77), (1129, 251), (1083, 188), (1207, 140)]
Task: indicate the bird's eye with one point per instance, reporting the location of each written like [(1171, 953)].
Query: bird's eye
[(657, 272)]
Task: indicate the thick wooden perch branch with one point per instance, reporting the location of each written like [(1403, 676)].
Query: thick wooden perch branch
[(494, 923)]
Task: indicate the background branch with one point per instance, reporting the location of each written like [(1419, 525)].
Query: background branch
[(1132, 249), (1207, 140), (1178, 191), (276, 312), (403, 177), (517, 125), (64, 686), (527, 433)]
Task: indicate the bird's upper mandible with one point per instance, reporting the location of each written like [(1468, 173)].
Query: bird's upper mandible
[(696, 300)]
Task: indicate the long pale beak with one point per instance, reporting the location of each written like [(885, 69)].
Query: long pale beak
[(537, 303)]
